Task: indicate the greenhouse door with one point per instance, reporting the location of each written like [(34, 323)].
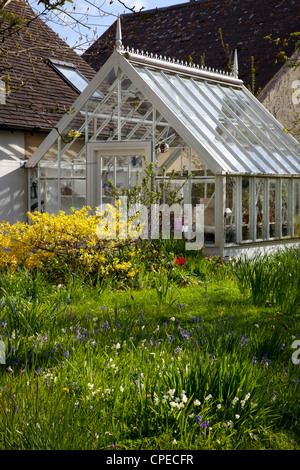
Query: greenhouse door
[(118, 162)]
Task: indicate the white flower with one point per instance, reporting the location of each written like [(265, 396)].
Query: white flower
[(197, 403), (219, 406), (172, 319), (121, 388), (235, 400), (174, 442), (208, 397), (237, 416), (184, 398)]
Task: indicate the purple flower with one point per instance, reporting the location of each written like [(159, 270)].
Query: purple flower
[(198, 419), (228, 424), (204, 425)]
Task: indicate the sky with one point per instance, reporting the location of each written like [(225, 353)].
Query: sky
[(94, 17)]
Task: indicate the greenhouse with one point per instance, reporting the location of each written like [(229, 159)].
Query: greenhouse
[(187, 120)]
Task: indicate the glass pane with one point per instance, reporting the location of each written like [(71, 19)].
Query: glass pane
[(272, 208), (230, 213), (259, 193), (73, 76), (108, 174), (135, 170), (49, 196), (208, 191), (285, 208), (296, 208), (72, 194), (122, 173), (247, 229), (260, 118)]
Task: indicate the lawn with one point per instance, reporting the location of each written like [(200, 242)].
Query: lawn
[(196, 356)]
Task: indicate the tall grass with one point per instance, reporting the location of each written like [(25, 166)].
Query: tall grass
[(272, 279), (90, 369)]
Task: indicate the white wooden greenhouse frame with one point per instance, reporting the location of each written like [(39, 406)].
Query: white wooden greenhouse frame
[(245, 168)]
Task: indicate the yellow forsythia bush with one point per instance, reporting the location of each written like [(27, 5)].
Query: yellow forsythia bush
[(68, 240)]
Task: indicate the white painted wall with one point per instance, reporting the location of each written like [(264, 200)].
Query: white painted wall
[(13, 178)]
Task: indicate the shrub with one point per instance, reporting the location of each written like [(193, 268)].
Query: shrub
[(61, 244)]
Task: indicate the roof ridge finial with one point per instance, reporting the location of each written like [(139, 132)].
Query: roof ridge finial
[(119, 35), (235, 65)]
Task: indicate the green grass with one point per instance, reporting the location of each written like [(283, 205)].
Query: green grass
[(191, 361)]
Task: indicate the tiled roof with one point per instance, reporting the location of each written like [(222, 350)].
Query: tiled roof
[(192, 29), (43, 96)]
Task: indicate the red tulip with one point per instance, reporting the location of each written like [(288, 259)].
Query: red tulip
[(180, 261)]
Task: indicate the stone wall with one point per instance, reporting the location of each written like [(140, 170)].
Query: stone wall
[(281, 97)]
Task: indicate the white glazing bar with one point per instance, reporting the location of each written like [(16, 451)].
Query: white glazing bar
[(39, 187), (95, 128), (119, 105), (129, 119), (59, 172), (129, 173), (29, 190), (220, 201), (115, 171), (189, 182), (172, 158), (86, 123), (100, 178), (181, 162), (139, 123), (154, 136)]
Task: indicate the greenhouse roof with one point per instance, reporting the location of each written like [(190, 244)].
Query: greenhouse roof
[(212, 111)]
